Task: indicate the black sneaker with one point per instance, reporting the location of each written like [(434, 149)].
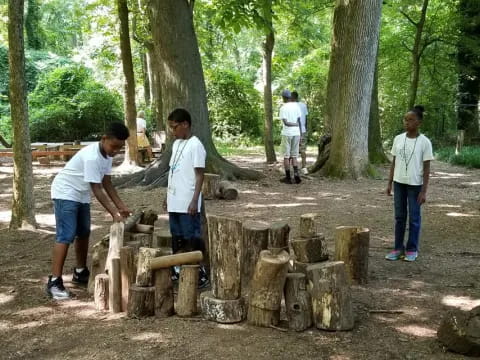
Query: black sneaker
[(286, 180), (175, 273), (80, 277), (203, 282), (56, 290), (297, 179)]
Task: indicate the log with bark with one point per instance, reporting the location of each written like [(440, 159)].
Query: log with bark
[(148, 217), (115, 242), (255, 239), (163, 293), (310, 250), (114, 286), (351, 247), (187, 290), (210, 185), (226, 191), (141, 301), (144, 271), (145, 240), (308, 225), (298, 303), (278, 236), (99, 260), (324, 145), (162, 238), (222, 311), (127, 271), (101, 292)]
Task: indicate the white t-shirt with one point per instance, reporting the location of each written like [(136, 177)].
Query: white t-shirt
[(186, 156), (85, 167), (291, 112), (409, 157), (303, 117), (141, 124)]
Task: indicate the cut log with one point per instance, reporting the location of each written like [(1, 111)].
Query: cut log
[(133, 219), (331, 298), (148, 217), (43, 160), (99, 260), (351, 247), (135, 245), (298, 302), (222, 311), (114, 286), (278, 236), (101, 292), (187, 290), (163, 293), (266, 288), (141, 301), (127, 271), (308, 226), (144, 271), (210, 184), (192, 257), (300, 267), (226, 191), (162, 238), (459, 331), (225, 256), (310, 250), (145, 240), (143, 229), (255, 239), (115, 242)]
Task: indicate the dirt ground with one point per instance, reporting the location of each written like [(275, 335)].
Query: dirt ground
[(445, 276)]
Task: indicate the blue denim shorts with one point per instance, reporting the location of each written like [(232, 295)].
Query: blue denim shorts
[(185, 226), (72, 219)]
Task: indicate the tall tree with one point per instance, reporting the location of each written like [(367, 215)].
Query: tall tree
[(356, 25), (32, 25), (129, 93), (23, 206)]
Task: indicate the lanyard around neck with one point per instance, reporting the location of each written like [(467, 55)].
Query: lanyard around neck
[(405, 152)]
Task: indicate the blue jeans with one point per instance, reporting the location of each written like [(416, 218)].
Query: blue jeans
[(71, 219), (406, 195), (186, 232)]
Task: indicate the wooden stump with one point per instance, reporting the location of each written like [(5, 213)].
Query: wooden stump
[(141, 301), (127, 271), (135, 245), (99, 259), (225, 256), (145, 240), (310, 250), (459, 331), (163, 293), (144, 272), (266, 288), (278, 236), (114, 286), (226, 191), (143, 229), (255, 239), (298, 302), (308, 227), (162, 238), (209, 187), (300, 267), (331, 299), (115, 242), (351, 247), (148, 217), (187, 290), (222, 311), (101, 292)]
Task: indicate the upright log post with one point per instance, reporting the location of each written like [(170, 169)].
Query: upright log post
[(310, 250), (144, 271), (101, 292), (99, 260), (145, 240), (141, 301), (114, 286), (298, 302), (115, 242), (255, 239), (127, 271), (278, 236), (351, 247), (308, 226), (163, 293), (187, 290), (210, 184)]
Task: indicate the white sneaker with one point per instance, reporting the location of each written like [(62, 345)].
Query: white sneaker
[(56, 289), (304, 171)]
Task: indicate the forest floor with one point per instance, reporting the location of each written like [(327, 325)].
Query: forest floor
[(445, 276)]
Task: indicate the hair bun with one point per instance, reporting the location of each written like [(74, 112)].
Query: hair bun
[(419, 108)]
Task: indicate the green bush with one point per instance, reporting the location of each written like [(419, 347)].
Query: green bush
[(68, 105), (469, 157), (234, 105)]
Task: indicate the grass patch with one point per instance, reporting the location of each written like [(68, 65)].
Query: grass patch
[(469, 157)]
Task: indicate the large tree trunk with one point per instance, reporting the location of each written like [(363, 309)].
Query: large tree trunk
[(155, 89), (267, 84), (32, 25), (146, 79), (129, 94), (182, 85), (356, 27), (23, 206)]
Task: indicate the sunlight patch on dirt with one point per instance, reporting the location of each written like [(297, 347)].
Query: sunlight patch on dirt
[(259, 206), (150, 337), (28, 325), (417, 330), (461, 302), (446, 175), (6, 298), (34, 311), (445, 205), (231, 327), (456, 214)]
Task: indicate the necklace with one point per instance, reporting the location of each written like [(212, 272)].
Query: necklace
[(405, 152), (176, 157)]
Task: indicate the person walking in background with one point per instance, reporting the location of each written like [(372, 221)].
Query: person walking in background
[(303, 130), (409, 175), (142, 139)]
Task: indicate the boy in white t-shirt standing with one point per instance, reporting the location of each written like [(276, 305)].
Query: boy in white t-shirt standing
[(409, 175), (290, 116), (88, 170), (303, 130), (185, 180)]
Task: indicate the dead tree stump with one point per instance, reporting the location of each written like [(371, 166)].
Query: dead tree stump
[(298, 302), (308, 226), (101, 292), (114, 286), (278, 236), (255, 239), (310, 250), (222, 311), (351, 247), (115, 242), (163, 293), (187, 290), (99, 259), (127, 271), (459, 331), (210, 184), (144, 240), (141, 301), (225, 256), (144, 271), (331, 299), (266, 288), (226, 191)]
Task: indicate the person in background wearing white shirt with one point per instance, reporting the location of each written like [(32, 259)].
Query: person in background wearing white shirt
[(409, 174), (290, 116), (142, 139), (184, 192), (89, 169), (303, 131)]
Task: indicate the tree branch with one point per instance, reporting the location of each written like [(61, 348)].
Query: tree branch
[(408, 18), (4, 142)]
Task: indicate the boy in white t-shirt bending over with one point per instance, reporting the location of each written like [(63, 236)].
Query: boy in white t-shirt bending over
[(89, 169), (185, 180)]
